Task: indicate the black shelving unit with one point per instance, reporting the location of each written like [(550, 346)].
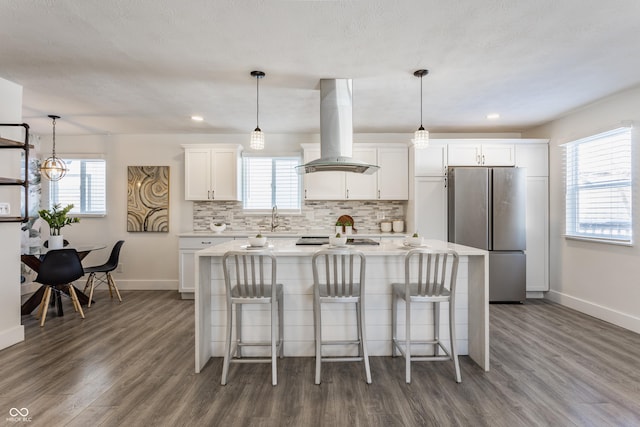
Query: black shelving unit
[(8, 144)]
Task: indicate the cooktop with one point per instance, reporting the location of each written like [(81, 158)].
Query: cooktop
[(323, 240)]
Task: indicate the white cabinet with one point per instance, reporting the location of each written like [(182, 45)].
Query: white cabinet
[(393, 175), (188, 246), (322, 185), (480, 154), (391, 182), (429, 161), (535, 158), (212, 172), (427, 207)]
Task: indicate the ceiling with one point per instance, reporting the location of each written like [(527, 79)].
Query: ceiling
[(147, 66)]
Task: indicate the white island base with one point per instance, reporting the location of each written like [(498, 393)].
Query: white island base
[(385, 264)]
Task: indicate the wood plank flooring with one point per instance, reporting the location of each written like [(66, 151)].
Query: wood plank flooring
[(133, 364)]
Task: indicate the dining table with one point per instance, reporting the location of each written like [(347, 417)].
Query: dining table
[(34, 258)]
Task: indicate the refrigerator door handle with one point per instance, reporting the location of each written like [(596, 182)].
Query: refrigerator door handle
[(490, 211)]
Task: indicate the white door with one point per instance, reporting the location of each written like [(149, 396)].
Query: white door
[(537, 234), (430, 161), (197, 165), (361, 186), (431, 207), (393, 175), (463, 155), (498, 155), (322, 185), (225, 175)]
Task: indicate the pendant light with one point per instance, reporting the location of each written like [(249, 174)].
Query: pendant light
[(54, 168), (257, 136), (421, 136)]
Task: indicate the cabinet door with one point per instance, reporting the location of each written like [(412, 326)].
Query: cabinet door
[(361, 186), (533, 157), (197, 167), (322, 185), (430, 207), (537, 234), (225, 175), (186, 267), (463, 155), (498, 155), (430, 161), (393, 175)]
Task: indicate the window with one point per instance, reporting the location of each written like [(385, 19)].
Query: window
[(271, 181), (84, 185), (598, 187)]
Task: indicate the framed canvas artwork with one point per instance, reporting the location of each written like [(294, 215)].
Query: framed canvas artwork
[(148, 198)]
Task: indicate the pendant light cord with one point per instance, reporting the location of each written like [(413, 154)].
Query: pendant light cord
[(421, 127), (257, 102)]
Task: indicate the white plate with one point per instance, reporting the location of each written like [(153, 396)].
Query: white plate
[(338, 246), (249, 247), (405, 245)]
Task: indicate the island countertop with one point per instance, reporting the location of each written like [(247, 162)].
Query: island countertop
[(386, 265)]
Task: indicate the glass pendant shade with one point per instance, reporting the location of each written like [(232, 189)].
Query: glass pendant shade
[(421, 138), (257, 140)]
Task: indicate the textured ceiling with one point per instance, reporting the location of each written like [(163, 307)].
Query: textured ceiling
[(146, 66)]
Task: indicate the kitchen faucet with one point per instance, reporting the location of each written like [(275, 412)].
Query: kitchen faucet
[(274, 218)]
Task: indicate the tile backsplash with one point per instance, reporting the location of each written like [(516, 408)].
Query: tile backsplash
[(315, 215)]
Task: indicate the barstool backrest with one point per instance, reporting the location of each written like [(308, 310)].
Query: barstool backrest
[(429, 273), (250, 273), (341, 270)]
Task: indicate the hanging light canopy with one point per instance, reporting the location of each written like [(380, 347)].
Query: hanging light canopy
[(421, 136), (257, 136), (54, 168)]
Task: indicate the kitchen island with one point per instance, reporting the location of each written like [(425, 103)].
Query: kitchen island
[(385, 264)]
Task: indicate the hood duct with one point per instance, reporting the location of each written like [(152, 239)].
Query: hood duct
[(336, 131)]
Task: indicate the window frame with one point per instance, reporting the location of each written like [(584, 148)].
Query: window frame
[(81, 158), (272, 156), (572, 187)]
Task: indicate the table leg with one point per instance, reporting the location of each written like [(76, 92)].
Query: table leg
[(33, 301)]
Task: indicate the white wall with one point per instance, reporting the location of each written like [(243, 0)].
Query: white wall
[(595, 278), (11, 331)]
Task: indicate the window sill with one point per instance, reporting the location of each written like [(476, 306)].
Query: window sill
[(605, 241)]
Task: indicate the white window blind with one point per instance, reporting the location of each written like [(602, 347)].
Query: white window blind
[(598, 187), (271, 181), (84, 186)]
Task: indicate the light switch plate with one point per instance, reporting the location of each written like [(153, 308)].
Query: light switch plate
[(5, 208)]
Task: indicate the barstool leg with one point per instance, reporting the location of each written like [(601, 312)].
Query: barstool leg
[(452, 336), (318, 336), (238, 352), (363, 341), (436, 328), (274, 347), (407, 349), (281, 324), (227, 346), (394, 323)]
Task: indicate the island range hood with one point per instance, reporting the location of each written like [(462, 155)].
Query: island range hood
[(336, 131)]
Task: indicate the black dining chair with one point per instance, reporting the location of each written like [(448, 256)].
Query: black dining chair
[(106, 269), (59, 268)]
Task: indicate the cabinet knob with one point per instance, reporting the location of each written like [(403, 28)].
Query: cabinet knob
[(378, 194), (205, 243), (483, 159), (305, 193), (347, 193)]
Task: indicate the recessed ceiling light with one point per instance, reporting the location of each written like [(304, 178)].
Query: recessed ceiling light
[(197, 118), (493, 116)]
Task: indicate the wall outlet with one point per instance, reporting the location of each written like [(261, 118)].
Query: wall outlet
[(119, 269), (5, 208)]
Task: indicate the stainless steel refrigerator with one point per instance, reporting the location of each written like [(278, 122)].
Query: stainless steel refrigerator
[(486, 210)]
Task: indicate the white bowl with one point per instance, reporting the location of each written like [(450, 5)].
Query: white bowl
[(217, 227), (257, 241), (337, 241), (385, 227), (414, 241)]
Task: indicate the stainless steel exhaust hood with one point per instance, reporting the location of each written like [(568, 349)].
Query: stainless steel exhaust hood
[(336, 131)]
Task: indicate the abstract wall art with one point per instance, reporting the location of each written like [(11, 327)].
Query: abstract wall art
[(148, 198)]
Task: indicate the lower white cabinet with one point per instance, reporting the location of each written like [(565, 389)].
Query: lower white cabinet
[(188, 246)]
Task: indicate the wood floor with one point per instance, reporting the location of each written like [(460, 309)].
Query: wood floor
[(132, 364)]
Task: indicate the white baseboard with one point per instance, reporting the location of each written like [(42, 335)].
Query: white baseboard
[(618, 318), (11, 336)]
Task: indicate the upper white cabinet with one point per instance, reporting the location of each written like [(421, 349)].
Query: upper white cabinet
[(429, 161), (212, 172), (391, 182), (393, 175), (480, 153), (534, 157)]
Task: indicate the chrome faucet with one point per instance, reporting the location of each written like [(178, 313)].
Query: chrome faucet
[(274, 218)]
